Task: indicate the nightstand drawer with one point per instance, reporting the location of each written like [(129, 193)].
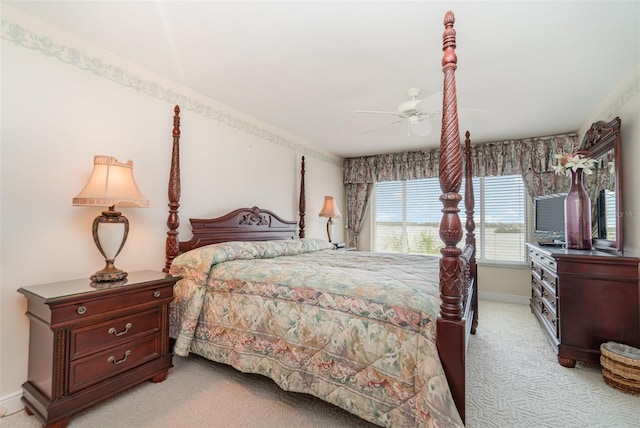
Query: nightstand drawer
[(92, 307), (88, 371), (90, 339)]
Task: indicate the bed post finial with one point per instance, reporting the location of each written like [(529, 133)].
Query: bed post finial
[(449, 59), (302, 204), (173, 221)]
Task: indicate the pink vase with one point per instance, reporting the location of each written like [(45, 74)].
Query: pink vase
[(577, 214)]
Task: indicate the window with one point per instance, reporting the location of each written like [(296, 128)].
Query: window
[(407, 214)]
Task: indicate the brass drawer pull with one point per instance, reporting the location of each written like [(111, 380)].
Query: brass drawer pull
[(123, 332), (112, 359), (156, 294), (81, 310)]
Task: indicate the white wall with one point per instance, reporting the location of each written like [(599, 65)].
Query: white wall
[(60, 109)]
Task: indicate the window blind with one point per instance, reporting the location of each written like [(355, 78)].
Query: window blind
[(407, 215)]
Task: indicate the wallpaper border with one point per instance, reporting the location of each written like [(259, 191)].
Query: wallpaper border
[(629, 90), (624, 93), (23, 37)]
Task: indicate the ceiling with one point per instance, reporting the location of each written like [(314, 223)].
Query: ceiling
[(530, 68)]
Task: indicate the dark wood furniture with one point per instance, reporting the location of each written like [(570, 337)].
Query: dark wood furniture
[(458, 272), (87, 344), (584, 298)]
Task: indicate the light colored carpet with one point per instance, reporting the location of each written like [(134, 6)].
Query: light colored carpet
[(513, 381)]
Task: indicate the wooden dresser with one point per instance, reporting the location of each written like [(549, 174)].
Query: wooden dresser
[(583, 299), (86, 344)]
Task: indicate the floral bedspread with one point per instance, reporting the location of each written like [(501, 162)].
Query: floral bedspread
[(352, 328)]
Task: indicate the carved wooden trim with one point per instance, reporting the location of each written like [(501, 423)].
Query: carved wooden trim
[(471, 280), (173, 221), (302, 204), (58, 378), (254, 218), (455, 271), (450, 176), (601, 135), (469, 199)]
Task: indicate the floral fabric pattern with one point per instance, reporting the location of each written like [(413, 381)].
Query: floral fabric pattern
[(354, 329)]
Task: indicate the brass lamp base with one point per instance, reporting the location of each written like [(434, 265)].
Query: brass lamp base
[(330, 229), (110, 232), (109, 273)]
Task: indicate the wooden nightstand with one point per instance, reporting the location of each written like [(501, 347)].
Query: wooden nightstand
[(87, 344)]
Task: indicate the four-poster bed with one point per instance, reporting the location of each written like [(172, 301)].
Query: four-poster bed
[(364, 342)]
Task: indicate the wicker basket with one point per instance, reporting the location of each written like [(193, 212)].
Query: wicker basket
[(621, 367)]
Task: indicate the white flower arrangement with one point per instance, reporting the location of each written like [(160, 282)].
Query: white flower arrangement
[(568, 162)]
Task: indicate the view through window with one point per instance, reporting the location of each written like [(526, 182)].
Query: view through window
[(407, 217)]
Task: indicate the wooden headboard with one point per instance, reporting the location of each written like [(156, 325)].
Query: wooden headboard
[(244, 224)]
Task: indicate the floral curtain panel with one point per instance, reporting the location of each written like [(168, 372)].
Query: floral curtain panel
[(534, 158), (358, 195)]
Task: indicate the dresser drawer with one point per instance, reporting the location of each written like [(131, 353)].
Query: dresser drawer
[(536, 298), (551, 303), (82, 309), (544, 260), (90, 370), (552, 322), (93, 338)]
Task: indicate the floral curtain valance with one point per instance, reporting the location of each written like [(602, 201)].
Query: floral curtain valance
[(392, 167), (532, 157)]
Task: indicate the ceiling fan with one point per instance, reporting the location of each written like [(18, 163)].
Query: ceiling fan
[(417, 112)]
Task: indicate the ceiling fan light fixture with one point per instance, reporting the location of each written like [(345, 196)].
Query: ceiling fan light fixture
[(420, 126)]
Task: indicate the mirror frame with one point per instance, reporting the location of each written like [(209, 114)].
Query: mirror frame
[(598, 140)]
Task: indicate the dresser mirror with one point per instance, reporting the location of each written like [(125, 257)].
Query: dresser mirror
[(604, 186)]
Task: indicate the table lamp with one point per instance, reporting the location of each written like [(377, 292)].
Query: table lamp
[(111, 184), (330, 210)]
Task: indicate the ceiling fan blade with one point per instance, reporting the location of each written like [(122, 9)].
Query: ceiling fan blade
[(466, 112), (431, 103), (381, 127), (431, 107), (395, 113)]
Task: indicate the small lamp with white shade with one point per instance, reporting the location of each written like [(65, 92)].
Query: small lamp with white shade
[(111, 184)]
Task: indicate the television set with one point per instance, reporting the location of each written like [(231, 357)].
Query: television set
[(548, 215)]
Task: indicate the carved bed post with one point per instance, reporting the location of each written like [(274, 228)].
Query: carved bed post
[(450, 326), (173, 221), (450, 181), (469, 203), (302, 202)]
